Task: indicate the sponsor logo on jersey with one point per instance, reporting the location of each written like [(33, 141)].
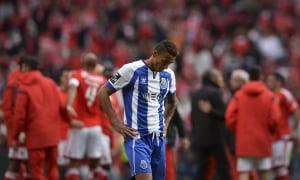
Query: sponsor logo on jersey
[(152, 96), (115, 78)]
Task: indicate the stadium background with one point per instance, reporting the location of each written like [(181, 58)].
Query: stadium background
[(226, 34)]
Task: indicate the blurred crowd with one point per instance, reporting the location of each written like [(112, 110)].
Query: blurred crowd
[(226, 34)]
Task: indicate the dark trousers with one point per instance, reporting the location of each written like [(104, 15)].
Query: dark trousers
[(219, 154)]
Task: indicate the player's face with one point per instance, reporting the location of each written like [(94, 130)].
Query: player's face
[(64, 78), (235, 82), (162, 61), (271, 82), (219, 79)]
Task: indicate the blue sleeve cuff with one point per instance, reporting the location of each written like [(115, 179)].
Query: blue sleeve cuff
[(172, 94), (110, 86)]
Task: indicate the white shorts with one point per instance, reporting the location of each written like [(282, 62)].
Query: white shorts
[(85, 142), (281, 153), (106, 158), (247, 164), (61, 159), (20, 153)]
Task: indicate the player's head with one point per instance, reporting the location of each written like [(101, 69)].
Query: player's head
[(164, 54), (64, 76), (99, 69), (108, 72), (28, 63), (213, 76), (89, 61), (255, 73), (275, 81), (238, 78)]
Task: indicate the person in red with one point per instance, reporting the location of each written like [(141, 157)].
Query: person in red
[(36, 114), (85, 134), (64, 119), (282, 146), (253, 115), (19, 155)]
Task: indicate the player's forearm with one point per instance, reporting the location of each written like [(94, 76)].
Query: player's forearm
[(106, 105), (71, 95), (170, 107), (297, 119)]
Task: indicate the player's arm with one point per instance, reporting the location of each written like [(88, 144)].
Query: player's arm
[(20, 116), (231, 114), (274, 115), (218, 107), (184, 142), (170, 107), (106, 106), (72, 92), (294, 109), (296, 123)]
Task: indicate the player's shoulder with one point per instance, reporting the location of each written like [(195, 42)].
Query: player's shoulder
[(285, 93), (76, 74), (134, 65), (129, 68), (168, 70)]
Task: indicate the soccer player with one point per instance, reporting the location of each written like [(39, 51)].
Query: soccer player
[(253, 115), (85, 134), (148, 88), (282, 147), (36, 114), (64, 118), (15, 156)]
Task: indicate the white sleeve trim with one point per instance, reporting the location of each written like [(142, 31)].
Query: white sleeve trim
[(74, 82)]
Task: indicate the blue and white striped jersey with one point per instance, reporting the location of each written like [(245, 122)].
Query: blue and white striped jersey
[(144, 92)]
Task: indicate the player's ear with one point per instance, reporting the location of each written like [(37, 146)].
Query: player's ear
[(155, 53)]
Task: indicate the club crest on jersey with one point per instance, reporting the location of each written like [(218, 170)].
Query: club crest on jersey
[(115, 78), (143, 164), (163, 83)]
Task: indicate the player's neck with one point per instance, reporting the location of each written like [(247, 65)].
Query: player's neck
[(277, 89), (149, 63)]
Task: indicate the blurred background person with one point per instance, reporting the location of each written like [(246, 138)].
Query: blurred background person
[(253, 115), (62, 161), (20, 155), (207, 119), (85, 134), (283, 144), (36, 116)]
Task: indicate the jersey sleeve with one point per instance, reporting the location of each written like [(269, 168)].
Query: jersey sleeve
[(74, 79), (290, 101), (172, 88), (120, 78)]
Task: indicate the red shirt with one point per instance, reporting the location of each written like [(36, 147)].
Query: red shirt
[(8, 102), (86, 103), (253, 115), (287, 105), (37, 111), (63, 115)]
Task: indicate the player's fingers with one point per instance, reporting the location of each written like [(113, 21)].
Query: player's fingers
[(131, 132)]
